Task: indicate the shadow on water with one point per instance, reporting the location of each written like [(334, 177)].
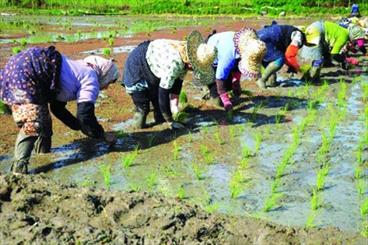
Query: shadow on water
[(86, 149)]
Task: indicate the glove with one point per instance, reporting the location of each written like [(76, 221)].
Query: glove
[(352, 61), (305, 68), (110, 138)]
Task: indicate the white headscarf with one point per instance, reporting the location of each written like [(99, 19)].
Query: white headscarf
[(107, 71)]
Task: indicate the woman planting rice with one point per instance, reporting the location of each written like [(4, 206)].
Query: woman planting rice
[(239, 53), (154, 73), (37, 77), (283, 43)]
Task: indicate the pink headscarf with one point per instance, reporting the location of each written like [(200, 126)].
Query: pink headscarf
[(107, 70)]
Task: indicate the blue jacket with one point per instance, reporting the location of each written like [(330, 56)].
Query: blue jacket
[(277, 38)]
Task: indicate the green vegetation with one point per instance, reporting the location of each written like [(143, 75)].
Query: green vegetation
[(272, 201), (128, 160), (105, 169), (272, 7)]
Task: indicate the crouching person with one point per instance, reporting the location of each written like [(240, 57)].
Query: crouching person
[(154, 72), (37, 77)]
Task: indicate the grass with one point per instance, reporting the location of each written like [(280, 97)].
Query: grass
[(128, 160), (341, 95), (105, 169), (232, 132), (244, 163)]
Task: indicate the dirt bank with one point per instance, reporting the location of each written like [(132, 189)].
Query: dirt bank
[(38, 210)]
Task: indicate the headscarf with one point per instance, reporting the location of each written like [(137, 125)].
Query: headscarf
[(356, 32), (107, 71)]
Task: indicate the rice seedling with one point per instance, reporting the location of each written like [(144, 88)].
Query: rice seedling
[(176, 150), (341, 95), (128, 160), (275, 185), (272, 201), (16, 50), (258, 142), (232, 132), (105, 169), (206, 154), (111, 41), (246, 152), (358, 172), (151, 180), (364, 208), (180, 194), (198, 171), (106, 52), (361, 186), (151, 138), (235, 185), (218, 138), (364, 231), (244, 163), (211, 208), (134, 187), (169, 171), (310, 223), (315, 200), (321, 177), (364, 87), (255, 110), (280, 169), (121, 134)]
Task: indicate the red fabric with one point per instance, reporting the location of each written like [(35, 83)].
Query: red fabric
[(235, 76), (290, 56)]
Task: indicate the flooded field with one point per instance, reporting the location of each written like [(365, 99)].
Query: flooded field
[(294, 156)]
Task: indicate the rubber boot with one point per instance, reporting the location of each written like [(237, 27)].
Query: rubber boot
[(139, 119), (271, 81), (19, 167), (271, 69), (158, 117)]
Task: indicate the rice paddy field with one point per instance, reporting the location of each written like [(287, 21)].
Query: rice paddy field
[(291, 166)]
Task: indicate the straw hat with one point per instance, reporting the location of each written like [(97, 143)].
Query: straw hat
[(251, 50), (201, 57)]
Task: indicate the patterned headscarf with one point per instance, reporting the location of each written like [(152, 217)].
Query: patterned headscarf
[(356, 32), (107, 71)]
